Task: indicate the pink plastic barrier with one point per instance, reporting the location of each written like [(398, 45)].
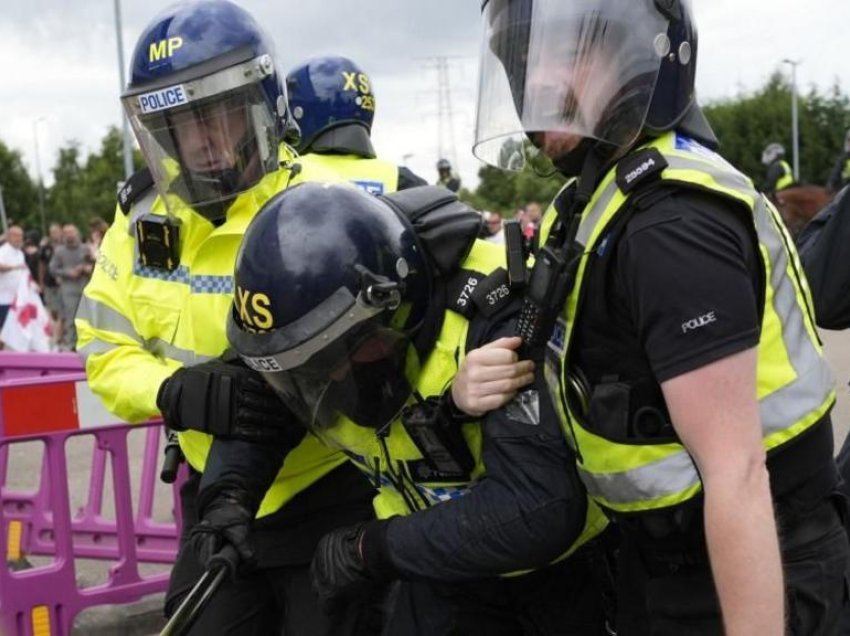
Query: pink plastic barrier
[(14, 366), (55, 409)]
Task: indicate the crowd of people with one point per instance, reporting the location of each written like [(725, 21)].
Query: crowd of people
[(59, 265), (393, 426)]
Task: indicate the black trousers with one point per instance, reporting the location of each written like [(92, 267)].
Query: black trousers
[(565, 599), (669, 594), (277, 598)]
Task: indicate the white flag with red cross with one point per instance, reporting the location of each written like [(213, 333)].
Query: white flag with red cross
[(27, 326)]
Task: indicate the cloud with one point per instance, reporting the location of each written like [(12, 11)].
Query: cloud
[(64, 62)]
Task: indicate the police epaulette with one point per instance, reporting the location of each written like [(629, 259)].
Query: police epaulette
[(470, 292), (639, 168), (134, 188)]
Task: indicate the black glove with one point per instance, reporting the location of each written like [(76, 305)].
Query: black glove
[(227, 515), (227, 400), (349, 564)]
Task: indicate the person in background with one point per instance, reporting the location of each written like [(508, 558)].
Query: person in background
[(12, 267), (779, 174), (446, 177), (71, 265), (840, 175), (494, 228), (46, 281), (531, 219), (31, 252)]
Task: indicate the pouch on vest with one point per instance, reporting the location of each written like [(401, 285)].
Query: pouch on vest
[(439, 439)]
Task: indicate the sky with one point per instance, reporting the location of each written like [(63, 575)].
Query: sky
[(59, 71)]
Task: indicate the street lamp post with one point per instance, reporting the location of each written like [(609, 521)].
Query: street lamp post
[(40, 180), (128, 143), (795, 130)]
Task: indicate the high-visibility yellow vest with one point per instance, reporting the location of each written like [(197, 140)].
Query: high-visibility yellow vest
[(138, 324), (794, 382), (375, 176), (787, 178), (392, 459)]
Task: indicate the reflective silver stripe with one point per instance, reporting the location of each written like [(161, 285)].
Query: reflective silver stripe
[(676, 473), (669, 476), (792, 402), (104, 317), (157, 347), (167, 350), (589, 223), (95, 347)]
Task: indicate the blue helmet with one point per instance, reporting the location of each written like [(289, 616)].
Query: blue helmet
[(327, 93), (331, 289), (206, 102)]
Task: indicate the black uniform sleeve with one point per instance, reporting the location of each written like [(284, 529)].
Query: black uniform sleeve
[(834, 183), (689, 269), (247, 465), (409, 179), (774, 174), (524, 512), (822, 245)]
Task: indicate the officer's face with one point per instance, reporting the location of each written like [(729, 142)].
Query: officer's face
[(573, 91), (209, 140)]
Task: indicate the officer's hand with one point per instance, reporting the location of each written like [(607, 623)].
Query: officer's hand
[(227, 400), (340, 572), (227, 515), (490, 377)]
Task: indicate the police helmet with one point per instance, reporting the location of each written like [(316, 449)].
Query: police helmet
[(602, 70), (331, 289), (331, 98), (443, 165), (772, 152), (206, 103)]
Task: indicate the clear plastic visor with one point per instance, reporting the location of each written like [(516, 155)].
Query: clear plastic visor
[(554, 72), (365, 377), (206, 150)]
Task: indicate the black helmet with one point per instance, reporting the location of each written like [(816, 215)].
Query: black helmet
[(444, 164), (331, 286), (603, 70), (207, 103)]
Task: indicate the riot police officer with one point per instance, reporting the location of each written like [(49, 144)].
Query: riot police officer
[(333, 101), (445, 177), (779, 174), (373, 302), (677, 331), (208, 106)]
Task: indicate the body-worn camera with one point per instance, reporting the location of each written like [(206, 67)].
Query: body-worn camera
[(159, 241)]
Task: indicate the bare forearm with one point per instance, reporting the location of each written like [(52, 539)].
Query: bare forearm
[(744, 552)]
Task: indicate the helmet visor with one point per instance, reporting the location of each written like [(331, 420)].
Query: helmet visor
[(206, 140), (555, 71), (365, 377)]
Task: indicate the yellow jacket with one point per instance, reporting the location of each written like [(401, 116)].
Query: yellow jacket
[(137, 324)]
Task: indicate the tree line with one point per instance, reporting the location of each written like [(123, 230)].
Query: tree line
[(744, 124), (84, 187)]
